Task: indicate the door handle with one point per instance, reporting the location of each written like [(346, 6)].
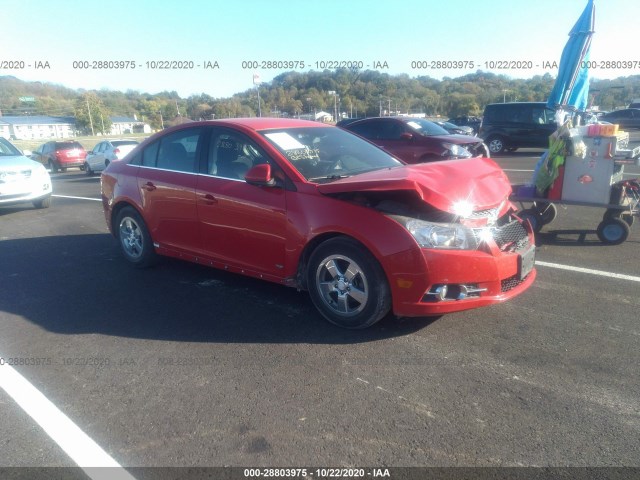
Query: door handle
[(209, 199), (149, 187)]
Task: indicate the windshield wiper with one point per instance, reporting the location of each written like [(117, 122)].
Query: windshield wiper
[(333, 176)]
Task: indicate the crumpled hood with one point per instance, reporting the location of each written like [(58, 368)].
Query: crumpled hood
[(479, 181)]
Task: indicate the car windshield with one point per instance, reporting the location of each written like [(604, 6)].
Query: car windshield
[(8, 150), (323, 154), (425, 127)]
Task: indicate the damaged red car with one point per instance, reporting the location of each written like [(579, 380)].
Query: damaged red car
[(317, 208)]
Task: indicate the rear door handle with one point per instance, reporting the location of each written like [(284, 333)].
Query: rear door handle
[(149, 187)]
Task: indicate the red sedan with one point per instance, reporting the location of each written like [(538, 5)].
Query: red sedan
[(317, 208)]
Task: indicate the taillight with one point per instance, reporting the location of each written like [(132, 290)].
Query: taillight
[(116, 151)]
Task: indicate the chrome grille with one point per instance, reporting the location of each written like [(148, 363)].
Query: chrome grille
[(491, 212), (510, 237)]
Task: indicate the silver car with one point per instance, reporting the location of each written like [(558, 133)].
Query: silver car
[(22, 179), (106, 152)]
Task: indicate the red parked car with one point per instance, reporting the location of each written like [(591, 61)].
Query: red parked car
[(416, 140), (60, 155), (314, 207)]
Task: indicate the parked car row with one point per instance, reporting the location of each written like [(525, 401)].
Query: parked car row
[(59, 155), (365, 230)]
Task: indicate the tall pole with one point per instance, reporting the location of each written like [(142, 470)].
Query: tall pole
[(90, 119)]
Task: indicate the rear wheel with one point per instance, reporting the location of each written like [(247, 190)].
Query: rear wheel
[(347, 284), (52, 166), (613, 231), (133, 236)]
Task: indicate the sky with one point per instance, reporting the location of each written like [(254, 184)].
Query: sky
[(233, 36)]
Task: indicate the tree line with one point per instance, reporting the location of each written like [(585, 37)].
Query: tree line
[(355, 93)]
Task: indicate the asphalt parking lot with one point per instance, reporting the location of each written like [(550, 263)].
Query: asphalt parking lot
[(181, 365)]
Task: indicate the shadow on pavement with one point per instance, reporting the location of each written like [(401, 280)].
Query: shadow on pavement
[(80, 284)]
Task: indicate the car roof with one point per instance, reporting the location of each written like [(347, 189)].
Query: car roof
[(260, 123)]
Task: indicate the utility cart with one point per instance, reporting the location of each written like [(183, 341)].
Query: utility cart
[(592, 176)]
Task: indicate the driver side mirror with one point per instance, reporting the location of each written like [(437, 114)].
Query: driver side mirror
[(406, 136), (260, 175)]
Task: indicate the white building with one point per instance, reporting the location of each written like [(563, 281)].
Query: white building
[(36, 127), (127, 125)]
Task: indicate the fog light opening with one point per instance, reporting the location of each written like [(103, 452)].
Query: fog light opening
[(453, 291)]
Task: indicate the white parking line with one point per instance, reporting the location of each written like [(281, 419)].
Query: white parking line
[(78, 198), (602, 273), (86, 453)]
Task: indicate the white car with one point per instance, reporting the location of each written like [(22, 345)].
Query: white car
[(21, 179), (106, 152)]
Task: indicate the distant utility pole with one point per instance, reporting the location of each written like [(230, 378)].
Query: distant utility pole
[(177, 108), (90, 119), (102, 120), (256, 82)]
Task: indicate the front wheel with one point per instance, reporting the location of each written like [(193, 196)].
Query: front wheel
[(43, 202), (134, 239), (347, 284), (496, 144), (547, 211), (88, 170), (534, 217)]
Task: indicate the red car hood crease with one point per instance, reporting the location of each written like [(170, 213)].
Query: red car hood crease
[(479, 181)]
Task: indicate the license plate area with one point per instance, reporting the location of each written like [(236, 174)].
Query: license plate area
[(526, 261)]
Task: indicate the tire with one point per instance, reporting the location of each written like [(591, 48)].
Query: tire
[(626, 216), (134, 239), (613, 231), (43, 202), (347, 284), (87, 170), (547, 212), (534, 217), (496, 144), (53, 167)]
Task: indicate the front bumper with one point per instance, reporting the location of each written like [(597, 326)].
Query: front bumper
[(20, 192), (428, 282)]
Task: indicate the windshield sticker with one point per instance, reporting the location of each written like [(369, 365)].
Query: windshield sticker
[(284, 141), (304, 153)]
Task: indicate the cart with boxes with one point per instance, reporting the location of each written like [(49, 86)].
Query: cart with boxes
[(587, 169)]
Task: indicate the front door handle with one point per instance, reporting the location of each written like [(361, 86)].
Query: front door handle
[(149, 187), (209, 199)]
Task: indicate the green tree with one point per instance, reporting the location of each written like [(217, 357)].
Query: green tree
[(91, 115)]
